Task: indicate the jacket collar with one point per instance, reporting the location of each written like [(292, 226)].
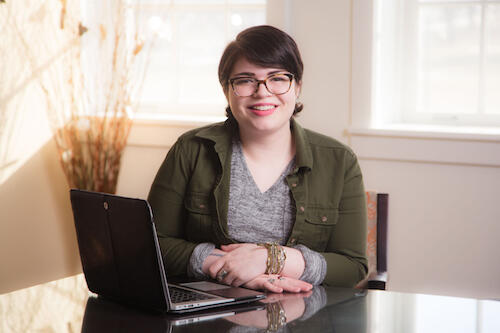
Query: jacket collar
[(221, 134), (303, 157)]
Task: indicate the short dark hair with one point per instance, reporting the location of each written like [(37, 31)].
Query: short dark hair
[(265, 46)]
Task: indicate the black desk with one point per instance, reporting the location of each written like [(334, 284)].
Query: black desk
[(65, 306)]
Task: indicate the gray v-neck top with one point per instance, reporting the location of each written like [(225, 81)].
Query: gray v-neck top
[(256, 217), (253, 216)]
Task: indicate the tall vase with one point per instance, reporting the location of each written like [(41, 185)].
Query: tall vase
[(90, 151)]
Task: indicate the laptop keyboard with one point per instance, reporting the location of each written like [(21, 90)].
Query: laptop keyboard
[(178, 295)]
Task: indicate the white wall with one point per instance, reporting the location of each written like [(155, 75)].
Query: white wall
[(443, 226)]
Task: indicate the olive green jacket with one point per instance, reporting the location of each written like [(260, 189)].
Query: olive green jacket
[(190, 194)]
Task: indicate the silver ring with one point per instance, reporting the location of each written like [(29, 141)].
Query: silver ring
[(222, 274), (281, 278), (271, 280)]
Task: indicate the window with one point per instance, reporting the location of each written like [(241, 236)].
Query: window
[(191, 36), (436, 62)]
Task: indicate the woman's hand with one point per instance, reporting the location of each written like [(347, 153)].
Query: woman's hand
[(240, 264), (278, 284), (212, 257)]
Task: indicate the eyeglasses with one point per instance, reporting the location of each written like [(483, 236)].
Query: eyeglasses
[(276, 84)]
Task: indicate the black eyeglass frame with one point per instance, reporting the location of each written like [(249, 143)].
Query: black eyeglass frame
[(258, 82)]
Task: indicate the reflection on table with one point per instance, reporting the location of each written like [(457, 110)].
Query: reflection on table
[(320, 310), (65, 306)]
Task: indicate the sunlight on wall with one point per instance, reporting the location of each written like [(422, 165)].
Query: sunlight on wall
[(23, 133), (23, 123), (37, 236)]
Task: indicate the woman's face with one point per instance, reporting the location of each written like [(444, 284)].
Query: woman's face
[(262, 112)]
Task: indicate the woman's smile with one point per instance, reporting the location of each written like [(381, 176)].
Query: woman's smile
[(263, 109)]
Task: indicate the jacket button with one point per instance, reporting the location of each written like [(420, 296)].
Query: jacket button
[(202, 206), (301, 208), (293, 241), (324, 219), (294, 185)]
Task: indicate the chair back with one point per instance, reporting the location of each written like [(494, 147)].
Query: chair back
[(376, 247)]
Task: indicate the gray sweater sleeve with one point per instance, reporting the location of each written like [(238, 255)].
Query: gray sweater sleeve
[(315, 269), (200, 253)]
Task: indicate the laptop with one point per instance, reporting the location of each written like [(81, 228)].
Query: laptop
[(121, 258)]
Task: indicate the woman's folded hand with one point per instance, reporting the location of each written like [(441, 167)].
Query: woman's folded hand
[(240, 264)]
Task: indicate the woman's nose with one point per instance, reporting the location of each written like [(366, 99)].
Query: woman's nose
[(261, 90)]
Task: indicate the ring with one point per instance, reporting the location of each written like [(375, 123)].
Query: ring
[(281, 278), (222, 274), (271, 280)]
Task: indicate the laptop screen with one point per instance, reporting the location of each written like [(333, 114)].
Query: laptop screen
[(118, 249)]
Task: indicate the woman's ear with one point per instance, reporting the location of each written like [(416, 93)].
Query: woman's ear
[(225, 90)]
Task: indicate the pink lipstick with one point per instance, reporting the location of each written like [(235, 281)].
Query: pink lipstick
[(263, 109)]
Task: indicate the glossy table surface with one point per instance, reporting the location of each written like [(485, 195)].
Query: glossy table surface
[(66, 306)]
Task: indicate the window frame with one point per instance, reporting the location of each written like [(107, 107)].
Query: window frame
[(365, 91)]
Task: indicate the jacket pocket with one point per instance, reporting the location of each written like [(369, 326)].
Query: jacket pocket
[(318, 226), (198, 217)]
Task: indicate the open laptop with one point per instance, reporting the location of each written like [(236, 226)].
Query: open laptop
[(121, 258)]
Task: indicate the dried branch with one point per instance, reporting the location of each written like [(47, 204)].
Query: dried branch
[(89, 92)]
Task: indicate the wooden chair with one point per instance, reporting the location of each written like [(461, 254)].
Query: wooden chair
[(376, 249)]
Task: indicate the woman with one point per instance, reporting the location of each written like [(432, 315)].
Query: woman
[(257, 200)]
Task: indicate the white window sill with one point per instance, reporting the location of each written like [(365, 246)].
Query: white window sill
[(432, 132), (175, 120), (162, 130), (427, 144)]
